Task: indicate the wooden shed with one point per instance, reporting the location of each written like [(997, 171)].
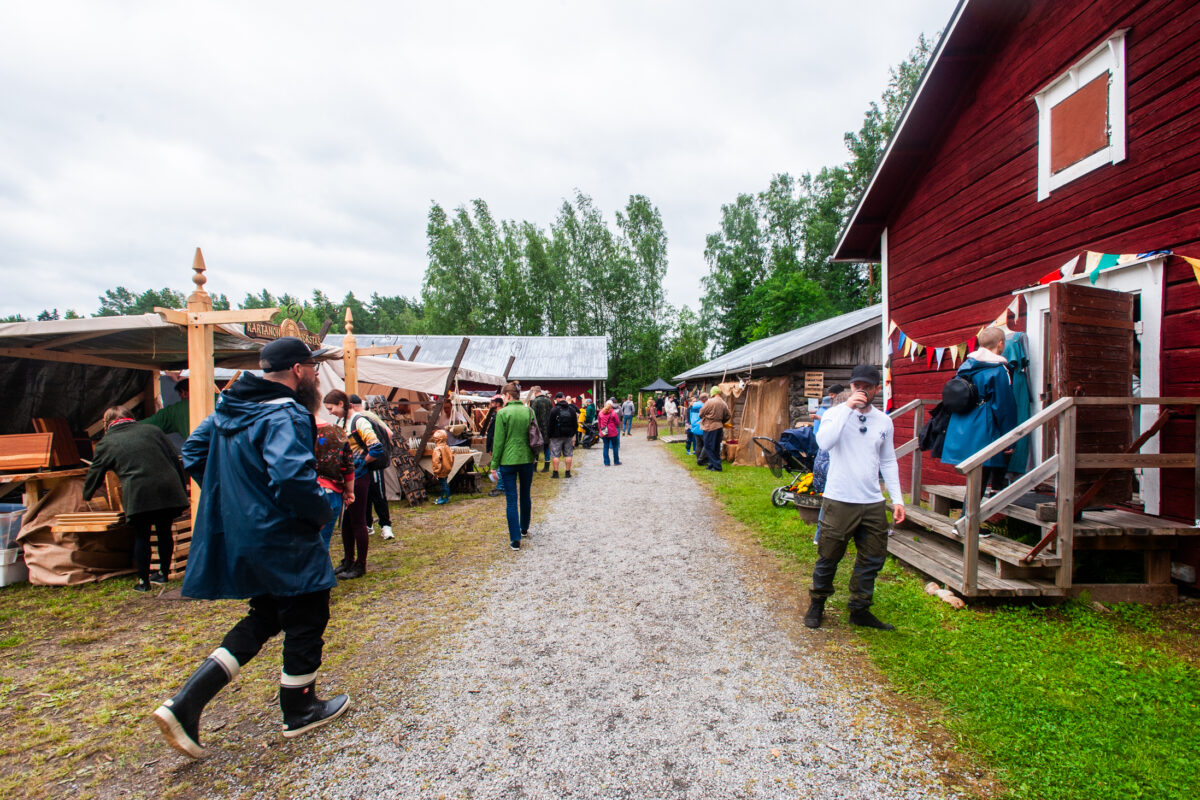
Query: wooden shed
[(1044, 175)]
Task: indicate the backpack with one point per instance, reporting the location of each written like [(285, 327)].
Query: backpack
[(959, 395), (563, 422), (384, 437), (933, 433)]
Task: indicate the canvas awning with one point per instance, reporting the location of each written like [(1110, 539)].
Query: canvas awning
[(411, 375)]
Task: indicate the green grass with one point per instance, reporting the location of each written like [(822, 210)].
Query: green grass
[(1070, 701)]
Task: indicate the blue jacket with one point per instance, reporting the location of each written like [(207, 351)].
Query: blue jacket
[(995, 415), (694, 417), (258, 528)]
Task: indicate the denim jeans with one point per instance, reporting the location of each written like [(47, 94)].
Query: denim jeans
[(613, 442), (335, 505), (626, 423), (712, 449), (691, 441), (517, 479)]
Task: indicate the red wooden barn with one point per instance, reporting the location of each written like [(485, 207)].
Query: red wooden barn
[(1041, 131)]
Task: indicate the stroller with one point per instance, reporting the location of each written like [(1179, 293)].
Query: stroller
[(795, 451)]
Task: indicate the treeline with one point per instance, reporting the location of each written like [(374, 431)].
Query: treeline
[(769, 263)]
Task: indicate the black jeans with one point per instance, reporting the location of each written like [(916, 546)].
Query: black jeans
[(710, 451), (142, 523), (302, 619), (377, 495), (867, 525)]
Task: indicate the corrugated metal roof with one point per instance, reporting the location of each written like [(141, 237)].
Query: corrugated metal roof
[(538, 357), (784, 347)]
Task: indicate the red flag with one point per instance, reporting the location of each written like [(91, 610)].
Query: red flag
[(1050, 277), (972, 345), (928, 358)]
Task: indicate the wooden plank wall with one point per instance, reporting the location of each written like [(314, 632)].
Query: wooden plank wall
[(970, 229)]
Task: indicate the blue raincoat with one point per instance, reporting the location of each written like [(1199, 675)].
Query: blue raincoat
[(995, 415), (258, 528), (694, 418)]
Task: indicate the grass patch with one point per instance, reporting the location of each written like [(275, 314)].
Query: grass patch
[(1067, 701), (83, 666)]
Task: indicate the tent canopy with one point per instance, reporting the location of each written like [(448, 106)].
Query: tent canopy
[(659, 386), (411, 375)]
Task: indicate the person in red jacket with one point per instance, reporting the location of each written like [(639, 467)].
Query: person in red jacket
[(610, 432)]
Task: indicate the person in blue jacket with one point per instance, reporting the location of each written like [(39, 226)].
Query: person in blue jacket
[(257, 535), (994, 416), (695, 443)]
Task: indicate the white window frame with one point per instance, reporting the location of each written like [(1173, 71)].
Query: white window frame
[(1109, 58)]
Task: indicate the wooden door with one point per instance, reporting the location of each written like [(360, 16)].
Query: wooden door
[(1090, 349)]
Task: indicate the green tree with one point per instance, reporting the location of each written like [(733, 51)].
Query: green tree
[(123, 302)]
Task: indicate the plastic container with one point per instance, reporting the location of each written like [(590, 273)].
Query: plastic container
[(12, 567), (10, 523)]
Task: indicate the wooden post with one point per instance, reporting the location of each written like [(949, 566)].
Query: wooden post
[(416, 350), (1196, 469), (1066, 498), (151, 394), (350, 355), (508, 367), (970, 585), (640, 412), (433, 412), (918, 419)]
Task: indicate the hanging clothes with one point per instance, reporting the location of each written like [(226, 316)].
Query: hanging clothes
[(1016, 350)]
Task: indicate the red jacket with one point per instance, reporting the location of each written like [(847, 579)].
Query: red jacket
[(610, 424)]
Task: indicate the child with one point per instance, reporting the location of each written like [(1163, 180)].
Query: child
[(443, 462), (335, 471)]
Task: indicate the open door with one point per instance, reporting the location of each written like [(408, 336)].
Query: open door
[(1090, 351)]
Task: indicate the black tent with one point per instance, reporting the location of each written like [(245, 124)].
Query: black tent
[(658, 386)]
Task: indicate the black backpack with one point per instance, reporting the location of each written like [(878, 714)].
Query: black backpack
[(959, 395), (564, 421), (384, 439)]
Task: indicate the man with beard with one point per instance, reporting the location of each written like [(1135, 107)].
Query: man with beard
[(257, 535)]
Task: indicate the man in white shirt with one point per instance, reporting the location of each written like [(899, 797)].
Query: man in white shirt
[(858, 437)]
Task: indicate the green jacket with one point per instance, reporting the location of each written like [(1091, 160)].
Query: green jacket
[(171, 419), (151, 476), (510, 445)]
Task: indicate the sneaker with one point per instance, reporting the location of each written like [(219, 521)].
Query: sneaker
[(815, 613), (865, 619), (441, 501), (514, 545), (387, 532), (344, 565), (495, 493), (554, 474), (158, 577), (525, 534), (142, 586)]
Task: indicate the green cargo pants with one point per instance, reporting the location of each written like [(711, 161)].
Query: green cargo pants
[(867, 525)]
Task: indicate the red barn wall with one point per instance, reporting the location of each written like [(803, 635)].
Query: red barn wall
[(970, 228)]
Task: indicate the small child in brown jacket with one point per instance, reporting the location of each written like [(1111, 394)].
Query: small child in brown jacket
[(443, 462)]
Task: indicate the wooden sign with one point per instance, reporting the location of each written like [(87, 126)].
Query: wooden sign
[(269, 330), (814, 384)]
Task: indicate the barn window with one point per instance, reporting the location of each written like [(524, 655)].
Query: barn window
[(1081, 117)]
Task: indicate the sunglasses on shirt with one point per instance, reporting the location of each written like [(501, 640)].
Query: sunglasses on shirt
[(863, 419)]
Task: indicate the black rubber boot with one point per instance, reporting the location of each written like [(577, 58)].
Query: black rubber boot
[(546, 467), (303, 710), (865, 619), (179, 717), (815, 613)]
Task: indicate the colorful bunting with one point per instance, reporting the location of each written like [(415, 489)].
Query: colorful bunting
[(1096, 262), (1195, 262), (928, 358), (937, 356)]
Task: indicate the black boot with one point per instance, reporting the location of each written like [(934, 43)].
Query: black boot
[(179, 717), (815, 613), (303, 710), (546, 467), (865, 619)]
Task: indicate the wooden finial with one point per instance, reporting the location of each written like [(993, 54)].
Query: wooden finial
[(349, 321), (199, 299)]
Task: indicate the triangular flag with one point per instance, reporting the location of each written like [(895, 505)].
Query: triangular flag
[(972, 345), (918, 348), (963, 352), (937, 355), (1015, 306), (1090, 260), (1049, 277), (901, 341), (953, 356), (1125, 258), (1106, 260), (929, 358), (907, 346), (1195, 262), (1069, 267), (891, 328)]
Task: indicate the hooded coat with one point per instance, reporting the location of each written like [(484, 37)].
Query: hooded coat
[(258, 528), (996, 414)]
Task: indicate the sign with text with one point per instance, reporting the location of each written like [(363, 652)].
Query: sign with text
[(269, 330), (814, 384)]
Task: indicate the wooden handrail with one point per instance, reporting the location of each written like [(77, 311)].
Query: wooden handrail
[(1016, 434), (1137, 401), (904, 409)]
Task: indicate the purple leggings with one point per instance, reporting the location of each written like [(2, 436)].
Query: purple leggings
[(354, 522)]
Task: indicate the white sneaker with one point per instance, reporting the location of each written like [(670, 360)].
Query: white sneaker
[(387, 532)]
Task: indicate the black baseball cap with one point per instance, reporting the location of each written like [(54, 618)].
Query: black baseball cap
[(355, 400), (285, 352), (867, 373)]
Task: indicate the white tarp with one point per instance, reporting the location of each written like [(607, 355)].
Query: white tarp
[(412, 375)]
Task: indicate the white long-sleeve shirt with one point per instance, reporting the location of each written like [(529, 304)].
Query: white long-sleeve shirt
[(856, 458)]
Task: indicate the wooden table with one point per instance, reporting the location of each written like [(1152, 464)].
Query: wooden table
[(36, 482)]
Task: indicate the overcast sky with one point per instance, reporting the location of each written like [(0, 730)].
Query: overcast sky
[(300, 144)]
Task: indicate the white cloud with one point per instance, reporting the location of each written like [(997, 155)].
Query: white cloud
[(300, 144)]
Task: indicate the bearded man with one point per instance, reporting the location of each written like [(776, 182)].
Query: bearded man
[(257, 535)]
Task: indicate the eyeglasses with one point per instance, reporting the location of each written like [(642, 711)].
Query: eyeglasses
[(863, 419)]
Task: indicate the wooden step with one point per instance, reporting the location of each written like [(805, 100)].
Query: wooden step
[(942, 560), (999, 547)]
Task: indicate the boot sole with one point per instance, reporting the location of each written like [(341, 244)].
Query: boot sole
[(301, 731), (173, 732)]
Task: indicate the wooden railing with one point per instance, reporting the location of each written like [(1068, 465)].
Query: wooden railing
[(1059, 466)]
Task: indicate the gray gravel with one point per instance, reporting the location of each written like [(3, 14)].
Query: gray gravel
[(621, 654)]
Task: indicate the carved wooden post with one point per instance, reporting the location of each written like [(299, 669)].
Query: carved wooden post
[(200, 348), (350, 355)]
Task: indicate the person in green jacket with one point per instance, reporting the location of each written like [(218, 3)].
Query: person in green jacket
[(153, 487), (514, 460)]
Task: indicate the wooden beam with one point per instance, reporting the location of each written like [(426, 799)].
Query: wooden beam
[(67, 358), (200, 359), (350, 355), (416, 350), (1137, 401), (79, 337), (1066, 499), (1131, 460), (433, 417), (151, 394), (378, 350), (508, 367), (970, 584), (1020, 486)]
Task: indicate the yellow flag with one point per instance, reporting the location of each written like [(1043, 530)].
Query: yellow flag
[(907, 346), (1195, 262)]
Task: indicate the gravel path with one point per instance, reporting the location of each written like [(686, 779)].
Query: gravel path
[(622, 654)]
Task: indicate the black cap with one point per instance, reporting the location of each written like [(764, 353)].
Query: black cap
[(559, 396), (837, 388), (355, 400), (867, 373), (285, 352)]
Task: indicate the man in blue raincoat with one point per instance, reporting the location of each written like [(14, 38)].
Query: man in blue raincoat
[(995, 414), (257, 535)]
